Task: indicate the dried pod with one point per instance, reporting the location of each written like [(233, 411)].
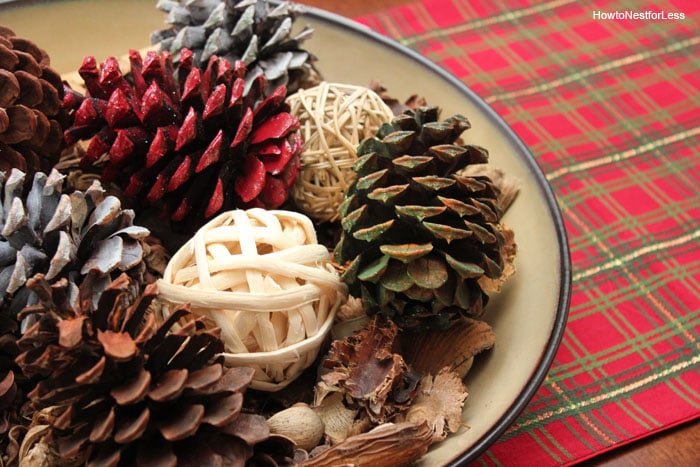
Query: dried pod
[(338, 419), (413, 102), (387, 445), (455, 348), (439, 402), (300, 423), (35, 451), (364, 368), (11, 397), (508, 185)]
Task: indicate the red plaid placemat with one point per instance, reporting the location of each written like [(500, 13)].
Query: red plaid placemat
[(610, 108)]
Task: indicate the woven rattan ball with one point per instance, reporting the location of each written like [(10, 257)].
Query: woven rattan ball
[(334, 119), (264, 280)]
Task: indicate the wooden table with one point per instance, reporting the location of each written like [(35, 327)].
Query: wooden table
[(679, 446)]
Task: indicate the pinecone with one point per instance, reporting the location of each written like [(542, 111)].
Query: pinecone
[(417, 236), (31, 118), (247, 30), (43, 230), (10, 395), (185, 139), (397, 107), (128, 391)]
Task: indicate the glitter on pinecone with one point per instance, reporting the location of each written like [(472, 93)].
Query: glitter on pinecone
[(185, 139)]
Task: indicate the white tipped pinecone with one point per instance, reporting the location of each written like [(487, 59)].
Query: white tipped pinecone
[(44, 230), (249, 30)]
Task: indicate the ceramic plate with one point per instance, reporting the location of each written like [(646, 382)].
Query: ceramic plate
[(528, 316)]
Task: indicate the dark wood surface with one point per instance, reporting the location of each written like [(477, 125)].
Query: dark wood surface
[(678, 446)]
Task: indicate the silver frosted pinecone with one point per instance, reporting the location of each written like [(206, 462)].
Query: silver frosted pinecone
[(253, 31), (43, 230)]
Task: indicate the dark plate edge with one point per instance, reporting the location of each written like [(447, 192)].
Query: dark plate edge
[(565, 268)]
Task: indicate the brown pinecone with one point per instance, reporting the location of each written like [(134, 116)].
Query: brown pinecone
[(31, 117), (185, 139), (10, 394), (43, 230), (128, 391), (397, 107)]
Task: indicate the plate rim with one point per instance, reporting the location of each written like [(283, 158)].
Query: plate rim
[(522, 151)]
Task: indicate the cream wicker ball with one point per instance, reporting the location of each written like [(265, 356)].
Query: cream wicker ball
[(264, 280), (334, 119)]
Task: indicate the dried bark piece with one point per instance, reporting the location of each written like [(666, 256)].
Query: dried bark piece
[(439, 402), (365, 369), (387, 445), (429, 352)]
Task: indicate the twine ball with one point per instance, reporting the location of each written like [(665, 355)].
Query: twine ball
[(262, 278), (334, 119)]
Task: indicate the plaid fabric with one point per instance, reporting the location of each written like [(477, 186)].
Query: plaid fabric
[(611, 111)]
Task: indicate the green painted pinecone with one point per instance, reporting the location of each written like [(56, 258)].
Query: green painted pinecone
[(43, 230), (125, 390), (249, 30), (418, 237)]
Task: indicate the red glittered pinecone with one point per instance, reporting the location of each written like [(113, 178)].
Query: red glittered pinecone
[(123, 390), (31, 117), (185, 139)]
